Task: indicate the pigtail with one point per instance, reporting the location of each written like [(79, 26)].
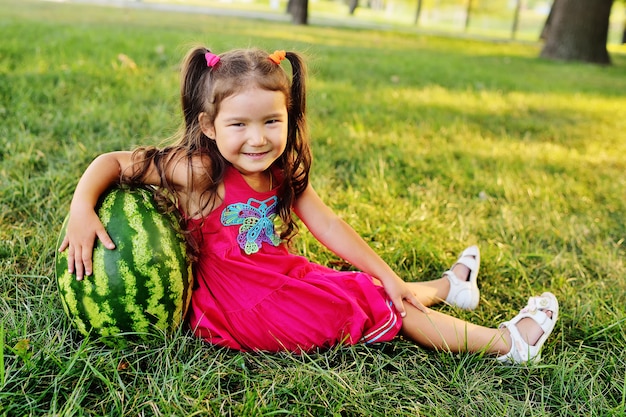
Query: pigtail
[(296, 160), (297, 112), (194, 76), (298, 86), (197, 97)]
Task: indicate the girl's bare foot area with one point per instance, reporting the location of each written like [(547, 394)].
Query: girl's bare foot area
[(530, 330)]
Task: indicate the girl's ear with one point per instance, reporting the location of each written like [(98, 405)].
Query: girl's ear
[(206, 125)]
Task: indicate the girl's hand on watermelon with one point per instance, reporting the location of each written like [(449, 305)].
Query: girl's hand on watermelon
[(82, 230)]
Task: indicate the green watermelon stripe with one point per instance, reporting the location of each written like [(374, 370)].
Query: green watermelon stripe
[(182, 269), (99, 300), (119, 265), (171, 275), (70, 303), (175, 274), (129, 304), (144, 264)]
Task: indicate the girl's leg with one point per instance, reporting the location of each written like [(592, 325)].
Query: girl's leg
[(433, 292), (430, 293), (442, 332)]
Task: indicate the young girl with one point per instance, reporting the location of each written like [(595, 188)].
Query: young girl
[(242, 163)]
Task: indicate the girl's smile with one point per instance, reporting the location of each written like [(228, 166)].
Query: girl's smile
[(256, 155)]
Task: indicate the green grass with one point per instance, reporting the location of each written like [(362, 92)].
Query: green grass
[(424, 144)]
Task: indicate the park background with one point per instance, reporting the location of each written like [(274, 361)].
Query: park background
[(424, 142), (494, 19)]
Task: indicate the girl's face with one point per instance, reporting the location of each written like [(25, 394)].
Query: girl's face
[(250, 130)]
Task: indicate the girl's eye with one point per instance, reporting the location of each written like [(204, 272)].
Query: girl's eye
[(273, 121)]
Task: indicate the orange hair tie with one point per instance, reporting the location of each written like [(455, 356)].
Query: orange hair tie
[(277, 56)]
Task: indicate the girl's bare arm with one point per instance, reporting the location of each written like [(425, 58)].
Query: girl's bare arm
[(341, 239), (84, 226)]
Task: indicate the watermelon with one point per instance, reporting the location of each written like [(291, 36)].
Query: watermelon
[(141, 285)]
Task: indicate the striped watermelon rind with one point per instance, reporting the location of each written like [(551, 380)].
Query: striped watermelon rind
[(143, 284)]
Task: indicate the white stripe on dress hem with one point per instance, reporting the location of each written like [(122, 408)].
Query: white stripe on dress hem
[(373, 336)]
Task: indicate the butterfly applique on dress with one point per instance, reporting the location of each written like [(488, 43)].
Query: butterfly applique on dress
[(257, 223)]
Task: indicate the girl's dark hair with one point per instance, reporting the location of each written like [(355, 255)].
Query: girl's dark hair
[(202, 90)]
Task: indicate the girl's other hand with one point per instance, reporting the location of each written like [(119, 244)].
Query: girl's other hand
[(398, 291), (82, 230)]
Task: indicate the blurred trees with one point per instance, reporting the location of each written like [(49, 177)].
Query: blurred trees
[(573, 30)]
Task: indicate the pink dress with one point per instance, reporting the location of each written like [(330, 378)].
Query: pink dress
[(251, 294)]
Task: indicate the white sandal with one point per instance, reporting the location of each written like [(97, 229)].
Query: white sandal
[(465, 293), (522, 352)]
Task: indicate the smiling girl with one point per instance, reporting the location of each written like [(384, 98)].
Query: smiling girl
[(238, 174)]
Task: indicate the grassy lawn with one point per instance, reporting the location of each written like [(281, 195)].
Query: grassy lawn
[(424, 144)]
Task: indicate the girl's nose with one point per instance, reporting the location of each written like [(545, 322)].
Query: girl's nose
[(257, 138)]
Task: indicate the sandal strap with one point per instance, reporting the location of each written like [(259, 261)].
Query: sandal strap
[(450, 273), (536, 309), (469, 259), (540, 317)]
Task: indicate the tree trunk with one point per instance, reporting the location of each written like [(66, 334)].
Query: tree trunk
[(578, 30), (546, 25), (468, 13), (624, 32), (299, 10), (352, 5), (518, 6), (418, 12)]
